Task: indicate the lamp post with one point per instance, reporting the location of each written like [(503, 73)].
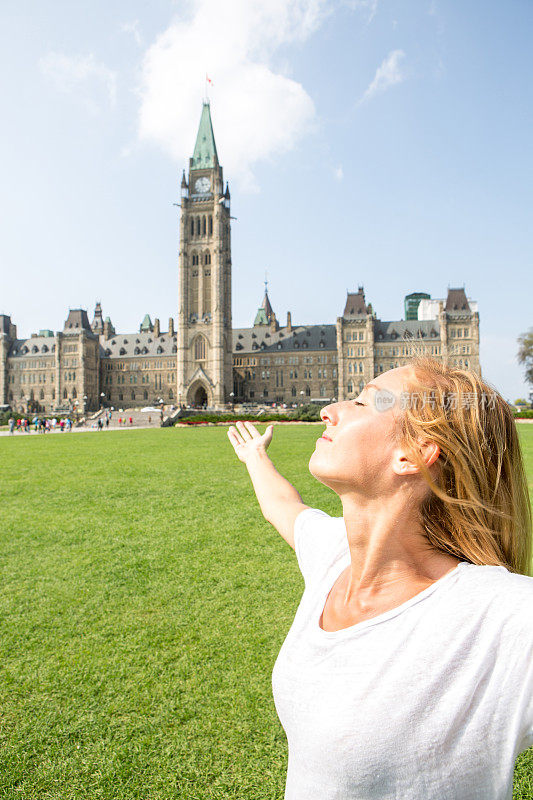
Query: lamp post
[(161, 403), (302, 397), (84, 403), (102, 399), (232, 395)]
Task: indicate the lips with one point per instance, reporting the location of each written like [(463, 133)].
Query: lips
[(325, 437)]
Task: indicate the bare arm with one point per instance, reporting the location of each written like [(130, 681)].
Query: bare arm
[(278, 499)]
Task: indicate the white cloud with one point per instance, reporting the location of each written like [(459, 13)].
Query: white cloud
[(369, 6), (338, 173), (132, 28), (258, 110), (82, 75), (388, 74)]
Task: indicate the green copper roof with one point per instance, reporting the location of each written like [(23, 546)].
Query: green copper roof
[(146, 324), (205, 149), (261, 317)]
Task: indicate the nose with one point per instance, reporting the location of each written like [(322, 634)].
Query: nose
[(327, 414)]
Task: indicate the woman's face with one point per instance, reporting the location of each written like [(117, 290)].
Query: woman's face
[(358, 447)]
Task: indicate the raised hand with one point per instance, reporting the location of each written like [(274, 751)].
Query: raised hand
[(247, 441)]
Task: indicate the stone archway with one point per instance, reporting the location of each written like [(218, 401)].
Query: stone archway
[(197, 396)]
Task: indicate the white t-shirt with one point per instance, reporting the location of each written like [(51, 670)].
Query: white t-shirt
[(432, 700)]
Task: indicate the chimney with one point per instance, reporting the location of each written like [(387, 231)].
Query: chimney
[(157, 331), (171, 326), (273, 323), (289, 322)]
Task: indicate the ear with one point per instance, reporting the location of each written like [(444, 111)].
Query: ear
[(404, 465)]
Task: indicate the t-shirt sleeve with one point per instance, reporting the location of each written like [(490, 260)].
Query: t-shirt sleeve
[(318, 541)]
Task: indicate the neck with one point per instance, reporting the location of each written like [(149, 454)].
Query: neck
[(388, 547)]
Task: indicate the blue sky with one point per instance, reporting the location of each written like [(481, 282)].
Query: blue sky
[(372, 142)]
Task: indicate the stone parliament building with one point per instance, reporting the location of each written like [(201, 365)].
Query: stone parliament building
[(205, 361)]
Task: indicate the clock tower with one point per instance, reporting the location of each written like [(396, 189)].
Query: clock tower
[(205, 363)]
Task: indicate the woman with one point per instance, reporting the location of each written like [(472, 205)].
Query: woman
[(408, 670)]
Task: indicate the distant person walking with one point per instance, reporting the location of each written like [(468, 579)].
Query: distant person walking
[(11, 424)]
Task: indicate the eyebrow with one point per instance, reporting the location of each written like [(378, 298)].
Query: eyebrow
[(371, 386)]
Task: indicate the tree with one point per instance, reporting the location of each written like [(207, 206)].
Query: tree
[(525, 353)]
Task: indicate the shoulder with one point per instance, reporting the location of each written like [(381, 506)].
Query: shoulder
[(319, 540), (507, 594)]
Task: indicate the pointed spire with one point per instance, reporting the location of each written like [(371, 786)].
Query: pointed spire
[(205, 149), (183, 181), (265, 314)]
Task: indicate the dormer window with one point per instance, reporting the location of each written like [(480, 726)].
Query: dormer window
[(160, 349), (122, 351), (240, 336), (137, 351), (113, 342), (279, 345), (174, 348), (107, 351)]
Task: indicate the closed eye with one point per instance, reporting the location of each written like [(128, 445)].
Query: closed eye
[(357, 403)]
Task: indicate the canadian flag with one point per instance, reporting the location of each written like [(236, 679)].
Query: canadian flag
[(208, 79)]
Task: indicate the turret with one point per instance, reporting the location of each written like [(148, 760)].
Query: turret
[(184, 186)]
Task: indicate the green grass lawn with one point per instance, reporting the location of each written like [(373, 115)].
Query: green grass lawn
[(143, 601)]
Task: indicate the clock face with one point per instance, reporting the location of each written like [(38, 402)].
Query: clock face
[(202, 185)]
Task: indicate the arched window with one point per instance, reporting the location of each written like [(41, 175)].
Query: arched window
[(198, 226), (293, 391), (145, 395), (308, 391), (322, 391), (350, 387), (210, 224), (204, 226), (74, 393), (32, 396), (199, 348), (65, 395), (207, 259), (41, 395), (350, 368), (133, 395), (265, 392), (171, 394), (192, 227), (360, 366)]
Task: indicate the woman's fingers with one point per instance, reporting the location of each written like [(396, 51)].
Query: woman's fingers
[(234, 437), (252, 430), (245, 433)]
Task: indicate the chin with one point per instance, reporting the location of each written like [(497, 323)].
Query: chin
[(317, 468)]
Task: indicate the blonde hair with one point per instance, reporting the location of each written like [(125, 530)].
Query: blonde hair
[(477, 507)]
